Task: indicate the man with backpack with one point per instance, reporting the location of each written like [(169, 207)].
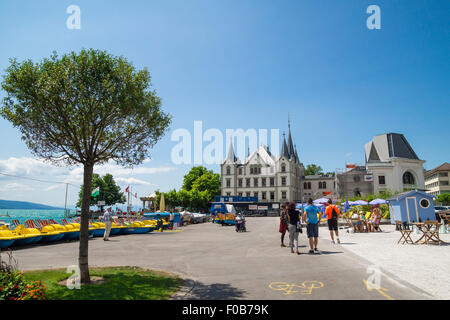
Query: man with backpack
[(332, 213)]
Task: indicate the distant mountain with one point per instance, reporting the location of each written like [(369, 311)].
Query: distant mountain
[(7, 204)]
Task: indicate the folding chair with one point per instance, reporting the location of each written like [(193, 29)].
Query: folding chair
[(405, 232)]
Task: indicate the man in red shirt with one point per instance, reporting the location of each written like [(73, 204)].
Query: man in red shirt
[(332, 212)]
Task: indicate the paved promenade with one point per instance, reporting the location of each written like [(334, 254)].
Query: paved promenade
[(219, 263)]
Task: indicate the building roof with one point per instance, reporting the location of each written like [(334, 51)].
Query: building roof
[(284, 149), (406, 193), (386, 146), (443, 167), (231, 158)]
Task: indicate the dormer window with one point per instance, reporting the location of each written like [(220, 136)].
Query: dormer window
[(283, 168), (228, 170)]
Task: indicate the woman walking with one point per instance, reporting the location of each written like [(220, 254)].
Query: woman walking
[(283, 223), (294, 218)]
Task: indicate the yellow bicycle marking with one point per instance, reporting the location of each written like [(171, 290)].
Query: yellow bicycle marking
[(305, 288), (370, 287)]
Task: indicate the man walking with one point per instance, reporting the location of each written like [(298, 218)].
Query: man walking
[(107, 218), (312, 225), (171, 219), (332, 212)]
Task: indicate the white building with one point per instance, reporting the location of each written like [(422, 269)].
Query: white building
[(319, 186), (437, 180), (393, 163), (262, 175)]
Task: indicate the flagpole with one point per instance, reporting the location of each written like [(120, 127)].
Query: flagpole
[(65, 203)]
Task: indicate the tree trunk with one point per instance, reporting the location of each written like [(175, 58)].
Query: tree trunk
[(84, 228)]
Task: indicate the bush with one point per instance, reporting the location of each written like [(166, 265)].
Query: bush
[(13, 286)]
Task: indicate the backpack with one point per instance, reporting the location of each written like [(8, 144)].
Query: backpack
[(333, 213)]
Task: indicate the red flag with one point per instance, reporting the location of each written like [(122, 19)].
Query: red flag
[(127, 189), (351, 166), (135, 195)]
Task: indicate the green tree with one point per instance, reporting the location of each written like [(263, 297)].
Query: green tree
[(444, 198), (192, 176), (313, 169), (109, 191), (84, 108)]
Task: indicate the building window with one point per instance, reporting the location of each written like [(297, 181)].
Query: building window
[(255, 194), (240, 170), (283, 181), (228, 194), (283, 195), (263, 195), (228, 170), (324, 185), (240, 182), (283, 168), (240, 194), (255, 182), (251, 170), (272, 182), (356, 178), (408, 178), (320, 184), (247, 194), (247, 182), (228, 183), (424, 203), (263, 182), (272, 195), (381, 180)]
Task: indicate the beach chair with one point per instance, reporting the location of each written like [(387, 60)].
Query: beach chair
[(354, 224), (15, 223), (405, 232)]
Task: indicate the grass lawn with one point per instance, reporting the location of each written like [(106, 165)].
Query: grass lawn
[(122, 283)]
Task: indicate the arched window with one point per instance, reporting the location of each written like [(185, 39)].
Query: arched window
[(283, 168), (228, 170), (324, 185), (357, 193), (320, 184), (408, 178), (309, 185), (305, 186)]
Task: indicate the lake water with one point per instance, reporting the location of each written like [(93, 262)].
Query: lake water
[(23, 215)]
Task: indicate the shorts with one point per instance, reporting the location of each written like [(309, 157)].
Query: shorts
[(332, 224), (312, 230)]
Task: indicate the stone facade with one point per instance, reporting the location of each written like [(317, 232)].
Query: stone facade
[(271, 179)]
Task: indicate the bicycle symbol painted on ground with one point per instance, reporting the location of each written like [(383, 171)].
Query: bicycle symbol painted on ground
[(305, 288)]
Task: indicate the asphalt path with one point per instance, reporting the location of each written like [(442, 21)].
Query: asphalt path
[(219, 263)]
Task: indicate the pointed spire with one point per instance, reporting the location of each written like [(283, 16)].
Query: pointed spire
[(290, 145), (231, 157), (284, 148), (296, 154)]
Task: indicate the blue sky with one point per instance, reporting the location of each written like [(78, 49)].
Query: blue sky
[(247, 64)]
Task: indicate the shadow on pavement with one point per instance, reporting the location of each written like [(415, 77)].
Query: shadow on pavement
[(215, 291), (330, 252)]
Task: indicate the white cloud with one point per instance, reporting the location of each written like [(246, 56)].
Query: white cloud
[(14, 186), (53, 187), (348, 155), (43, 170), (134, 181)]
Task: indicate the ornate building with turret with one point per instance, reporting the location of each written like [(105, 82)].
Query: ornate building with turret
[(262, 175)]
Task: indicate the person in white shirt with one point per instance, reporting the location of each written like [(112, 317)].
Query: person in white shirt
[(107, 218)]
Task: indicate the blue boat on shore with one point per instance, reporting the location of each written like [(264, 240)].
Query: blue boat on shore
[(5, 243), (136, 230)]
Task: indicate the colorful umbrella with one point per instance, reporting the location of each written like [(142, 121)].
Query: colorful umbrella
[(377, 201)]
